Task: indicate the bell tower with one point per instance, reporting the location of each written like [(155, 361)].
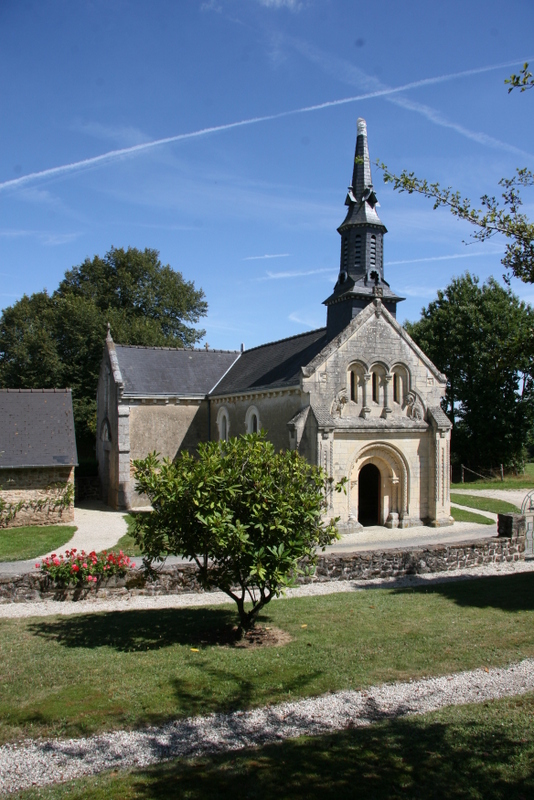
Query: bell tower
[(361, 267)]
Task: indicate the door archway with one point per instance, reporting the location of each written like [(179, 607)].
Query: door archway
[(369, 480)]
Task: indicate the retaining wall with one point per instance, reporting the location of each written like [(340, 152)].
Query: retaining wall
[(354, 566)]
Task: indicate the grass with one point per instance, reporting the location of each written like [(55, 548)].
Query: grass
[(475, 752), (524, 481), (76, 675), (20, 544), (484, 503), (127, 543), (462, 515)]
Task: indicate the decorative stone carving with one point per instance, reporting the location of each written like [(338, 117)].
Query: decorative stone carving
[(414, 407), (340, 401)]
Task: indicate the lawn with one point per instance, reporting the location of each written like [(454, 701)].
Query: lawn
[(127, 543), (484, 503), (462, 515), (20, 544), (475, 752), (524, 481), (76, 675)]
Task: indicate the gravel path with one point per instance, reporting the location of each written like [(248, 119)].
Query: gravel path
[(43, 762), (48, 608), (98, 528)]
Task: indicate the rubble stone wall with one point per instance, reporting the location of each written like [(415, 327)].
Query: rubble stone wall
[(354, 566)]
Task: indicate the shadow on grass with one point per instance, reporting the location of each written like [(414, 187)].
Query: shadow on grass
[(508, 592), (128, 631), (409, 758)]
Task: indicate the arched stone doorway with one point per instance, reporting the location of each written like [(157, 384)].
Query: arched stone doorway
[(369, 481), (391, 494)]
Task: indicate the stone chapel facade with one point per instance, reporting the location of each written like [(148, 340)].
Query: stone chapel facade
[(357, 397)]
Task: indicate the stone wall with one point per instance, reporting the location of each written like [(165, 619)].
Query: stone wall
[(39, 489), (354, 566), (87, 487)]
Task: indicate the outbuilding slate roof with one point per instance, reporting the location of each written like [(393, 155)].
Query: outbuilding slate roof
[(272, 365), (36, 428), (149, 371)]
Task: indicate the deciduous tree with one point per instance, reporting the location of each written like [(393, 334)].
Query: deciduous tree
[(56, 341), (482, 338)]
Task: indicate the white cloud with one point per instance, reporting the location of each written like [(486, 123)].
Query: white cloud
[(292, 5), (123, 135), (309, 321), (59, 238), (259, 258), (271, 276)]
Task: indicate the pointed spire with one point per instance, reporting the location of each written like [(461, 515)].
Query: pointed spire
[(361, 270), (361, 197), (361, 176)]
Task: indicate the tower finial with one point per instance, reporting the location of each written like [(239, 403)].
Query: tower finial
[(108, 335)]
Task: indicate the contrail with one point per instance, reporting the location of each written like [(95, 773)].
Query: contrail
[(353, 75), (441, 258), (113, 155)]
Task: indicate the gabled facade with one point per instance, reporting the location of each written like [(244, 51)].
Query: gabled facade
[(357, 397)]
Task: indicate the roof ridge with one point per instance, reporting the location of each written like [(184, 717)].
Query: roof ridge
[(286, 339), (180, 349)]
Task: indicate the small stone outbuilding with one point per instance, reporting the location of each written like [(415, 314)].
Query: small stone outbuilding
[(37, 457), (357, 397)]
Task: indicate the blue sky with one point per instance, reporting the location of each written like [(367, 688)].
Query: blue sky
[(249, 212)]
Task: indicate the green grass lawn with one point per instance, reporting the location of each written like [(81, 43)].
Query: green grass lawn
[(524, 481), (475, 752), (483, 503), (19, 544), (127, 543), (462, 515), (76, 675)]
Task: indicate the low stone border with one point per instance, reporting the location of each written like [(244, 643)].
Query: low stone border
[(368, 565)]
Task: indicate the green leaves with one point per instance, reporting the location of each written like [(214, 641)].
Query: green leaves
[(481, 337), (495, 217), (523, 81), (244, 513), (56, 341)]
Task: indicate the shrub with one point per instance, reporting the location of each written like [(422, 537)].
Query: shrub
[(249, 517)]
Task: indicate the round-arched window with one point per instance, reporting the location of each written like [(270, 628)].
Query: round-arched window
[(252, 420), (223, 424)]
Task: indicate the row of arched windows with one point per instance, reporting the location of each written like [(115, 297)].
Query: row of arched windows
[(252, 422), (377, 386)]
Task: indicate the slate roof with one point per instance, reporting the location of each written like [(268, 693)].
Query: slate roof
[(273, 365), (440, 417), (149, 371), (36, 428)]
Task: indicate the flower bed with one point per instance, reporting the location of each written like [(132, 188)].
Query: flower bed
[(84, 568)]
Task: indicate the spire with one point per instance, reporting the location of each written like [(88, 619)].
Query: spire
[(361, 269), (361, 198)]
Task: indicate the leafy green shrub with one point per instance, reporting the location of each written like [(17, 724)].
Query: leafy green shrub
[(245, 514)]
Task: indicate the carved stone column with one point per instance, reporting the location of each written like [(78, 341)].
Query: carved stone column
[(387, 384), (365, 395)]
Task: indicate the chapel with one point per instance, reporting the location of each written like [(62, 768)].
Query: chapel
[(357, 397)]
